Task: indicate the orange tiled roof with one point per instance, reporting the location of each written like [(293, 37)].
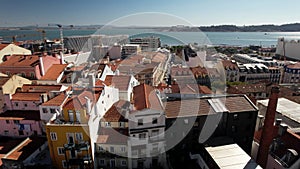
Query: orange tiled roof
[(119, 81), (21, 61), (116, 112), (26, 148), (40, 88), (228, 64), (144, 97), (54, 71), (2, 46), (56, 101), (26, 96)]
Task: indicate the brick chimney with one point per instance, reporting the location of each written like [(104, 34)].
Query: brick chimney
[(267, 133)]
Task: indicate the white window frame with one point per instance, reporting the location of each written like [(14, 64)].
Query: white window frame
[(102, 164), (64, 163), (123, 149), (79, 136), (53, 136), (60, 152)]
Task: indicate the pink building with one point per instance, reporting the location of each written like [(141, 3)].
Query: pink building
[(20, 123), (29, 66)]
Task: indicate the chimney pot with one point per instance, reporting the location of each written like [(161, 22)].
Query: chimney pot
[(282, 129)]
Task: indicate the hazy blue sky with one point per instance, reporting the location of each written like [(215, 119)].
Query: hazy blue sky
[(198, 12)]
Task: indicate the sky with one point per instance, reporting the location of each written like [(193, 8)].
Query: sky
[(196, 12)]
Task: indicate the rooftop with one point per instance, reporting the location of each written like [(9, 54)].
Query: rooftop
[(27, 96), (25, 148), (286, 108), (21, 115), (56, 101), (118, 81), (2, 46), (208, 105), (40, 88), (231, 157), (21, 61), (145, 96), (54, 72), (117, 111)]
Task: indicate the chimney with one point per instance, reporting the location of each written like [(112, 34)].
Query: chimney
[(62, 58), (88, 105), (92, 80), (42, 69), (267, 133)]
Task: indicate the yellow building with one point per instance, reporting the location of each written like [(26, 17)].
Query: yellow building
[(68, 133)]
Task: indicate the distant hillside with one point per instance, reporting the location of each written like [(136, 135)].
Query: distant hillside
[(295, 27)]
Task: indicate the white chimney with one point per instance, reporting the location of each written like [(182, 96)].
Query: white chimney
[(42, 69), (88, 105)]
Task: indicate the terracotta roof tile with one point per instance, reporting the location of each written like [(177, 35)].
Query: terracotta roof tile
[(54, 72), (27, 96), (117, 111), (56, 101), (21, 61), (144, 97), (26, 148), (40, 88), (118, 81), (2, 46)]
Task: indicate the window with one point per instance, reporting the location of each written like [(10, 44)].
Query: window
[(71, 115), (6, 132), (122, 124), (45, 110), (25, 104), (186, 121), (107, 124), (78, 136), (112, 149), (64, 163), (142, 136), (52, 111), (155, 132), (154, 120), (53, 136), (123, 149), (32, 75), (21, 132), (140, 122), (123, 163), (235, 116), (16, 104), (7, 121), (101, 149), (60, 151), (101, 162), (70, 138), (17, 121), (23, 74)]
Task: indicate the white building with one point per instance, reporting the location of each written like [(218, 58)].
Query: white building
[(124, 83), (288, 48)]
